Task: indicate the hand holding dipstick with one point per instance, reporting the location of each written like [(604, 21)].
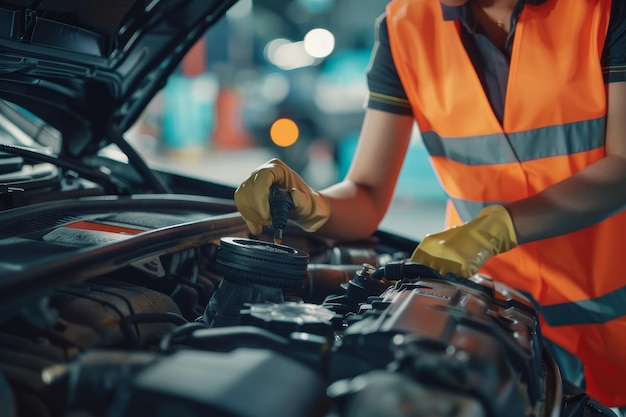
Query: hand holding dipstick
[(281, 204)]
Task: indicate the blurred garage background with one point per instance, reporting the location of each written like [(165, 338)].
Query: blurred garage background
[(286, 79)]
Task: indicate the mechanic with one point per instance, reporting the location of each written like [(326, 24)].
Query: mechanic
[(522, 107)]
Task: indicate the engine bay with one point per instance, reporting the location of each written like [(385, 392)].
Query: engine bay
[(135, 290), (138, 305)]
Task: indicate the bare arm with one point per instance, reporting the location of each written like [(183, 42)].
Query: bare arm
[(360, 201), (589, 196)]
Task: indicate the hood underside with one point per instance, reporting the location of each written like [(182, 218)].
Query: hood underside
[(90, 66)]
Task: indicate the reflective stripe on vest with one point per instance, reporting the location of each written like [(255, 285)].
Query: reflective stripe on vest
[(498, 148), (553, 127), (518, 147), (593, 311)]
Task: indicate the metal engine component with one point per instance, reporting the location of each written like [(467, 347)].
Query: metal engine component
[(448, 337), (396, 339)]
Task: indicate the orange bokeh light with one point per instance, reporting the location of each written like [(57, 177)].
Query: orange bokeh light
[(284, 132)]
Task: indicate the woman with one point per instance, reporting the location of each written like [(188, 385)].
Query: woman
[(521, 105)]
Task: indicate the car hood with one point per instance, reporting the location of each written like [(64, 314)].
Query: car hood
[(89, 66)]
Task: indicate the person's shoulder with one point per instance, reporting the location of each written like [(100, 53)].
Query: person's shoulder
[(381, 20), (617, 23), (618, 12), (381, 27)]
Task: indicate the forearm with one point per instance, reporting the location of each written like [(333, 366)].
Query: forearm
[(355, 211), (584, 199), (359, 203)]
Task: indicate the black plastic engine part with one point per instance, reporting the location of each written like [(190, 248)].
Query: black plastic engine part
[(403, 397), (249, 261), (22, 183), (95, 315), (290, 317), (242, 383), (253, 271), (356, 291)]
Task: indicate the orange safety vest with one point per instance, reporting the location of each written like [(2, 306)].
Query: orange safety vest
[(553, 126)]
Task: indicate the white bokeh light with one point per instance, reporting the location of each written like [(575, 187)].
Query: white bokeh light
[(319, 43), (288, 55), (271, 47)]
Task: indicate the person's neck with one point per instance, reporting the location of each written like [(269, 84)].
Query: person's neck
[(494, 16)]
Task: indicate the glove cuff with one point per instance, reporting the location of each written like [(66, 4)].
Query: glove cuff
[(318, 212), (501, 226)]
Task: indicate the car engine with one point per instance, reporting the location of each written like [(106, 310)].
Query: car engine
[(163, 305)]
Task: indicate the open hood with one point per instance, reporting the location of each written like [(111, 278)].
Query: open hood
[(90, 66)]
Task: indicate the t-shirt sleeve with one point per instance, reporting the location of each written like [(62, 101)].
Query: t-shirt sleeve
[(614, 54), (386, 92)]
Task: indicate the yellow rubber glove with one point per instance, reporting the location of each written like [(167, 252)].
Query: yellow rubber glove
[(311, 209), (463, 249)]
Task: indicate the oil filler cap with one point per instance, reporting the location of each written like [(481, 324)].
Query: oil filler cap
[(257, 262)]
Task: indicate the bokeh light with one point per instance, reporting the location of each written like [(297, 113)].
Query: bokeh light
[(319, 43), (287, 55), (284, 132)]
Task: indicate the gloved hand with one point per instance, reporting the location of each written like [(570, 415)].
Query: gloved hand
[(311, 209), (463, 249)]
